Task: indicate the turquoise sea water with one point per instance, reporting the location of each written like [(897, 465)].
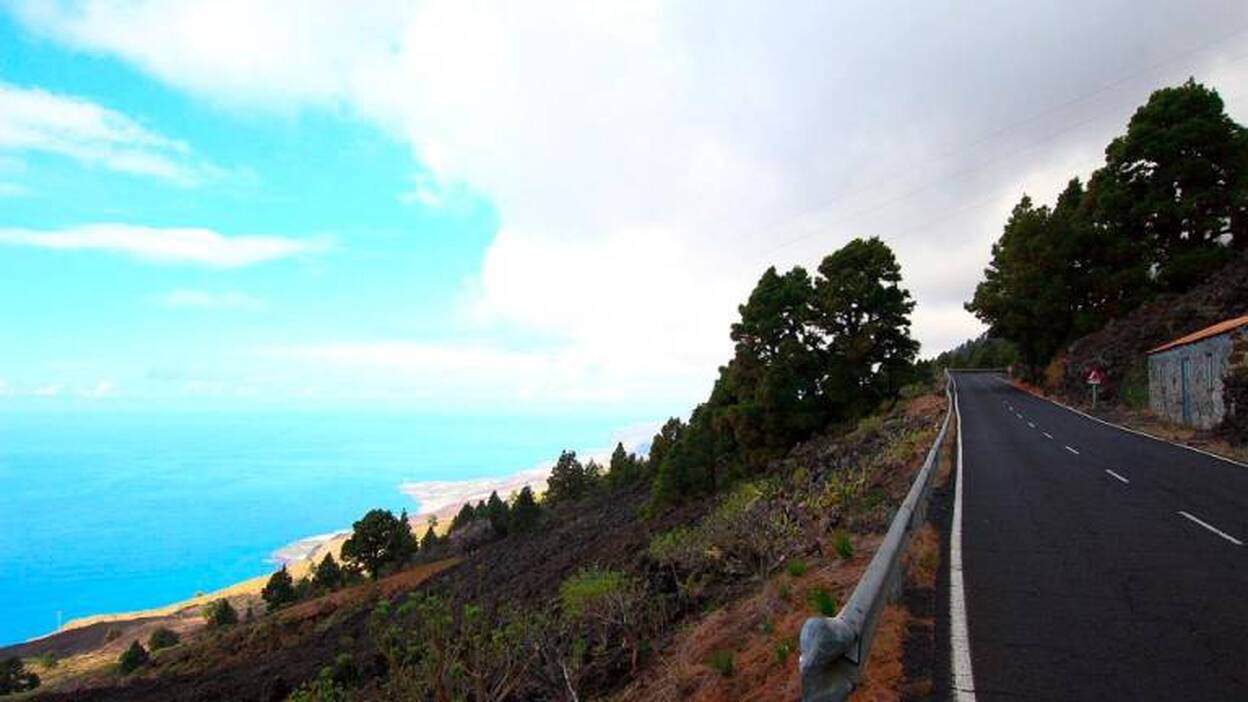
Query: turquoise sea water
[(104, 512)]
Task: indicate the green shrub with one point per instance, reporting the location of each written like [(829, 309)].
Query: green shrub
[(592, 588), (15, 678), (162, 638), (47, 660), (844, 548), (796, 568), (823, 602), (683, 547), (721, 662), (783, 650), (1134, 387), (132, 658), (220, 614)]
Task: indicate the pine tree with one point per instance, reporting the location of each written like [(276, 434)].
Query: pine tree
[(498, 514), (568, 479), (328, 574), (279, 591), (465, 515), (379, 540), (623, 468), (525, 513), (430, 540)]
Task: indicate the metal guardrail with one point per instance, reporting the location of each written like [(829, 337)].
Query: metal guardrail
[(835, 649)]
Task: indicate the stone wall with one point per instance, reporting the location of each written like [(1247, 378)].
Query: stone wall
[(1208, 361)]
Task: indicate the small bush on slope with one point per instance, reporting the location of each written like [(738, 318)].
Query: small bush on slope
[(162, 638), (132, 658)]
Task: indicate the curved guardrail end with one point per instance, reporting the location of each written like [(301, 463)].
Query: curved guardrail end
[(826, 675)]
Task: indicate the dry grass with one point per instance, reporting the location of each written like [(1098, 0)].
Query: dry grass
[(754, 629), (884, 676)]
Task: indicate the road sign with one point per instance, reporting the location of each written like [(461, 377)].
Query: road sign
[(1095, 377)]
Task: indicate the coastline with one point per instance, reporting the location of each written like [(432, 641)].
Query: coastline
[(440, 499)]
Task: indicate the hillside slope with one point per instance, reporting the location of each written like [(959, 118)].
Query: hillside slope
[(1120, 346)]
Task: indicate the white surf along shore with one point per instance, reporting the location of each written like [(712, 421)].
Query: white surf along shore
[(444, 498)]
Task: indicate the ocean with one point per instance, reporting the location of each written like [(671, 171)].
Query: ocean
[(117, 511)]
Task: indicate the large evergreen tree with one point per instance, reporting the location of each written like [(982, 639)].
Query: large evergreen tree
[(568, 479), (525, 513), (379, 540), (864, 313), (280, 590), (1177, 181), (497, 513), (807, 352), (328, 574), (1169, 206)]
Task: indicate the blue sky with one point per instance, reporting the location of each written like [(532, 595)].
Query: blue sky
[(384, 263), (554, 206)]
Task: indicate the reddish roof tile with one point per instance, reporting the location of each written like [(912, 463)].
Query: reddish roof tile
[(1219, 328)]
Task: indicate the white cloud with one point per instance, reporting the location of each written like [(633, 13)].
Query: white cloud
[(49, 390), (648, 159), (207, 300), (13, 190), (104, 388), (167, 245), (473, 372), (36, 120)]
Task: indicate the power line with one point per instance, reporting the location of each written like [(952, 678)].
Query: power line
[(774, 226)]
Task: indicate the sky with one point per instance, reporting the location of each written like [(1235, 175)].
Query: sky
[(539, 206)]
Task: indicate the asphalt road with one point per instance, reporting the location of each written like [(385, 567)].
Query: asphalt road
[(1097, 564)]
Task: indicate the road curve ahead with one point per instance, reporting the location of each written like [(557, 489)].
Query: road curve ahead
[(1097, 564)]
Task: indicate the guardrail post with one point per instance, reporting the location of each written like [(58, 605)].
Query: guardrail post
[(827, 675)]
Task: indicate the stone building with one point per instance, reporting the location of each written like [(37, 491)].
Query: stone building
[(1185, 375)]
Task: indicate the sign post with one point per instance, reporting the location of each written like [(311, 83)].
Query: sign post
[(1095, 378)]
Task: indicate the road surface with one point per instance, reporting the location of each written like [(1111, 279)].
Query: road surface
[(1097, 564)]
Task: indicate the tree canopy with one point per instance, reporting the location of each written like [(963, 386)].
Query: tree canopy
[(1168, 207), (525, 513), (279, 591), (379, 540), (569, 479), (808, 351)]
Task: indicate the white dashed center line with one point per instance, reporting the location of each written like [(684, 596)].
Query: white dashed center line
[(1212, 528), (1031, 424), (1047, 435), (1072, 450), (1016, 414), (1124, 480)]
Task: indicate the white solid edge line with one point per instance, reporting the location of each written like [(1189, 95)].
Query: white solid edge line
[(1047, 435), (963, 683), (1117, 476), (1072, 450), (1129, 430), (1212, 528)]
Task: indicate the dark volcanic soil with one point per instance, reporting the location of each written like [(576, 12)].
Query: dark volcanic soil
[(267, 659)]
